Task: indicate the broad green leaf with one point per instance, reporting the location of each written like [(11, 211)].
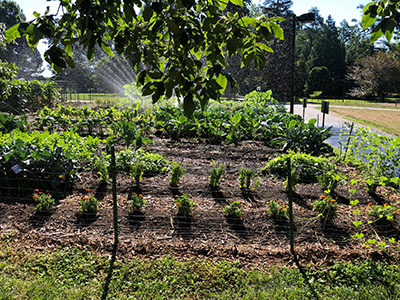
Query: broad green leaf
[(147, 13), (264, 47), (222, 81), (12, 33), (247, 21), (107, 49), (173, 27), (277, 30), (237, 2), (223, 4), (292, 123), (312, 122), (367, 21), (188, 106)]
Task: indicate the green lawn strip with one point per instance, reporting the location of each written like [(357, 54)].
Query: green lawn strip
[(69, 273)]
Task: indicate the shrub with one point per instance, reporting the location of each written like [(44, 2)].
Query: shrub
[(329, 180), (137, 172), (137, 202), (44, 202), (277, 211), (216, 173), (245, 177), (153, 163), (234, 211), (89, 205), (177, 172), (101, 166), (308, 167), (326, 207), (184, 205)]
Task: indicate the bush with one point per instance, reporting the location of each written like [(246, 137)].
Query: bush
[(234, 211), (277, 211), (326, 207), (137, 202), (383, 214), (89, 205), (44, 202), (184, 205), (308, 167)]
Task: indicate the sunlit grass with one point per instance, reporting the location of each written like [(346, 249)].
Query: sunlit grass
[(383, 120), (69, 273)]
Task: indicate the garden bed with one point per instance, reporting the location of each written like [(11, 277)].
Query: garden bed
[(258, 241)]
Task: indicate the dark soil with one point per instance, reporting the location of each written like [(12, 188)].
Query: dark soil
[(259, 241)]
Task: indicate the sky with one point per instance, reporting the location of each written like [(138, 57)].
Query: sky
[(339, 9)]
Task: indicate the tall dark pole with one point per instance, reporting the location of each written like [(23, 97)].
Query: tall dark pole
[(293, 63)]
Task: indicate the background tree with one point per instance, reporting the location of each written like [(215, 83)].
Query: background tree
[(29, 62), (320, 45), (319, 79), (378, 75)]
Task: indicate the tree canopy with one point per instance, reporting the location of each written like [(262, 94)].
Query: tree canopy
[(384, 18), (181, 42)]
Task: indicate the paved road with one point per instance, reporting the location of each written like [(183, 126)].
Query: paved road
[(337, 123)]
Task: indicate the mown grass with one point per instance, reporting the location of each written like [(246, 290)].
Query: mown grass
[(69, 273), (383, 120)]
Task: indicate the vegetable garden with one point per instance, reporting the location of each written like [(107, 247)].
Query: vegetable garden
[(213, 185)]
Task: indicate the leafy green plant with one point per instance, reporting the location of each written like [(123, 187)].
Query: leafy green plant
[(89, 205), (326, 207), (383, 214), (329, 180), (177, 171), (184, 205), (44, 202), (137, 202), (308, 167), (245, 177), (137, 171), (234, 211), (153, 163), (277, 211), (101, 165), (216, 173)]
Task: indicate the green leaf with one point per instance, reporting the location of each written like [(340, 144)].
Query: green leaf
[(107, 49), (367, 21), (277, 30), (223, 4), (222, 81), (237, 2), (173, 27), (147, 13), (12, 33), (264, 47), (188, 105)]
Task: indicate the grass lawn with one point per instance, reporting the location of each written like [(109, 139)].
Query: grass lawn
[(69, 273), (383, 120)]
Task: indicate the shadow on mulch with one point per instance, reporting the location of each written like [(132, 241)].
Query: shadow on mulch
[(281, 225), (101, 191), (219, 196), (238, 227), (183, 226), (298, 199), (333, 232), (86, 219), (387, 230), (248, 195), (136, 219), (379, 199), (39, 218)]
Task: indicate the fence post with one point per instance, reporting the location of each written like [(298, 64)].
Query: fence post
[(114, 193), (289, 172)]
